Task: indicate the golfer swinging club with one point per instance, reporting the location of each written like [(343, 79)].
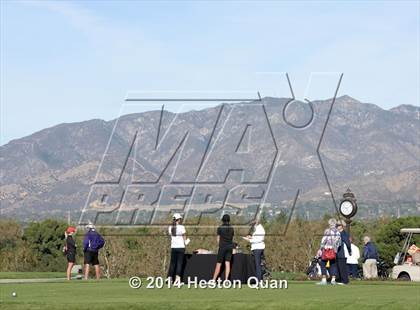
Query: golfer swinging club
[(92, 243)]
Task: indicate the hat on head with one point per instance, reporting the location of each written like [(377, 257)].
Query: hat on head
[(71, 230), (177, 216), (90, 225)]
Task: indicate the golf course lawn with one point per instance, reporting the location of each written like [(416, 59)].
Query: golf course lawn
[(31, 275), (113, 294)]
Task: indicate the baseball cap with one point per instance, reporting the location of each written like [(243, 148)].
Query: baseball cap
[(90, 226), (177, 216), (71, 229)]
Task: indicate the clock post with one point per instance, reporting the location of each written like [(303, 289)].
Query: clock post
[(348, 207)]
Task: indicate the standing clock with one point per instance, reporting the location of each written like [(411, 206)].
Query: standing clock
[(348, 207)]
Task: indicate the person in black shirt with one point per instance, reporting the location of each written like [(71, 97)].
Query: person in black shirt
[(70, 249), (225, 240)]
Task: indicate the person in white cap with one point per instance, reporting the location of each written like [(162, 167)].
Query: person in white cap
[(92, 243), (178, 238)]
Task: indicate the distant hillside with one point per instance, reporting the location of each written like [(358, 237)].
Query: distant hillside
[(373, 151)]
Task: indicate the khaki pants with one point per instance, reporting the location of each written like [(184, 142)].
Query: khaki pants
[(369, 269)]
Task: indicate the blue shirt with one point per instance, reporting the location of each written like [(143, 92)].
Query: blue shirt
[(345, 241), (370, 251)]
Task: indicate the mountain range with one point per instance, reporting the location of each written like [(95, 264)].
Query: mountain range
[(372, 151)]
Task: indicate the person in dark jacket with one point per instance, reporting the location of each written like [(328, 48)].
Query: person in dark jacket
[(70, 249), (345, 246), (370, 259), (92, 243)]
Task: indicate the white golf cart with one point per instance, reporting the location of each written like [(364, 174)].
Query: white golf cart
[(403, 269)]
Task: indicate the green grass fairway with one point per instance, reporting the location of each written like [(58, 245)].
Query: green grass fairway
[(113, 294), (31, 275)]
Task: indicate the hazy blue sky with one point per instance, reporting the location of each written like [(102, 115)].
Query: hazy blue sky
[(73, 61)]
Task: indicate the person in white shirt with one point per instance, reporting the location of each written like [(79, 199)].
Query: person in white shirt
[(353, 260), (178, 238), (256, 238)]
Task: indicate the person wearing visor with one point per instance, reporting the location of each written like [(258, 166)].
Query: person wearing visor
[(178, 241), (70, 249)]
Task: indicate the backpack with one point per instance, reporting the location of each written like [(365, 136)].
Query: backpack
[(96, 243), (328, 254)]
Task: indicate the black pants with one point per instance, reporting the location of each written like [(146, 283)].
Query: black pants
[(343, 271), (258, 268), (353, 270), (177, 259)]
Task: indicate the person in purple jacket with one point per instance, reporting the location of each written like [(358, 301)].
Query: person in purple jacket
[(92, 243)]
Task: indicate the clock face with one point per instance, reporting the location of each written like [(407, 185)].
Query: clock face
[(346, 208)]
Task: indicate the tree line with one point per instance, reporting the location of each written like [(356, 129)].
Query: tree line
[(145, 251)]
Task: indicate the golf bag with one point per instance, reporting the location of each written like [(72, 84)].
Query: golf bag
[(312, 270), (383, 270)]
